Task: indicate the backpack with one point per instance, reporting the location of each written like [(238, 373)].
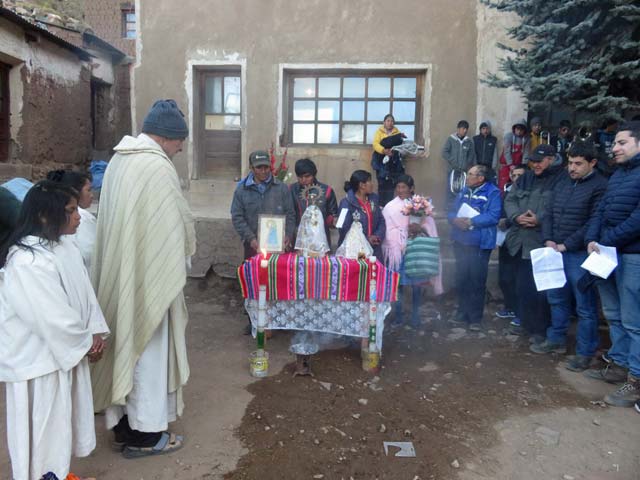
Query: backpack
[(422, 258)]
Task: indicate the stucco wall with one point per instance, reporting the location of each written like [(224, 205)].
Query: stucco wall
[(502, 107), (49, 102), (264, 35)]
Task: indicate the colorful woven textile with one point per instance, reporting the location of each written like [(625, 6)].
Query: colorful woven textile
[(293, 277)]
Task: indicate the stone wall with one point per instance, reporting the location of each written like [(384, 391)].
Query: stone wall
[(56, 129), (105, 19), (49, 91)]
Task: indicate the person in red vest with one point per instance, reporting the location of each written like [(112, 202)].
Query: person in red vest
[(516, 143)]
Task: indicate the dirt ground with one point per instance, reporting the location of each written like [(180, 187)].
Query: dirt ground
[(474, 406)]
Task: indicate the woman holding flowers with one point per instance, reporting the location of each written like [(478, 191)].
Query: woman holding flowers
[(406, 216)]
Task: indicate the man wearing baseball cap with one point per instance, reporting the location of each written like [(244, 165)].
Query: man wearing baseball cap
[(260, 193), (525, 207)]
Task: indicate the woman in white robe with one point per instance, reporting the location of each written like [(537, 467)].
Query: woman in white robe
[(51, 326), (85, 236)]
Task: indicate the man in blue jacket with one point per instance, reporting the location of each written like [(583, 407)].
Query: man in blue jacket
[(573, 200), (616, 223), (474, 237)]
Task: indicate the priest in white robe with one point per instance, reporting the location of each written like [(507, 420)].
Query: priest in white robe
[(145, 236), (48, 317)]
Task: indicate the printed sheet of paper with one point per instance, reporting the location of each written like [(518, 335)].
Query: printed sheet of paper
[(548, 269), (603, 263), (341, 218), (466, 211)]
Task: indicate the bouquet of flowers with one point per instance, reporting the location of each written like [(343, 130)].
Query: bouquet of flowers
[(281, 172), (417, 206)]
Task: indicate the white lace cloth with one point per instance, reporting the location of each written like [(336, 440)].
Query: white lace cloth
[(342, 318)]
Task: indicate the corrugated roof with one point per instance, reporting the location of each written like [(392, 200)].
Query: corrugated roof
[(27, 25)]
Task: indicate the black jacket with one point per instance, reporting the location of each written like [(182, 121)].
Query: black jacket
[(572, 204), (486, 153), (616, 222)]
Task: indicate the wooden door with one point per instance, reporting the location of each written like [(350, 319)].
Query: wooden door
[(221, 120), (5, 134)]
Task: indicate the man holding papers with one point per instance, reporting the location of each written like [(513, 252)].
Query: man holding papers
[(616, 223), (525, 207), (573, 200), (474, 218)]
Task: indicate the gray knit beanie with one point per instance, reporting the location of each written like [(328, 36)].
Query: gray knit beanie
[(166, 120)]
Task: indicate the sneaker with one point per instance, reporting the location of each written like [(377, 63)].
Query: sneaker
[(627, 395), (606, 358), (475, 327), (534, 339), (458, 321), (611, 373), (637, 406), (548, 347), (578, 363), (505, 314), (515, 322)]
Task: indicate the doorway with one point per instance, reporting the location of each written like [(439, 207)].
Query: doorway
[(220, 120)]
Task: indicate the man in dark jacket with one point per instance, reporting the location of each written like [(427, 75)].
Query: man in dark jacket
[(562, 140), (525, 207), (616, 223), (486, 147), (474, 237), (573, 200), (325, 200), (260, 193)]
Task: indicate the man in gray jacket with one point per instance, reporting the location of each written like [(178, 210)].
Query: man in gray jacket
[(260, 193), (525, 207), (459, 153)]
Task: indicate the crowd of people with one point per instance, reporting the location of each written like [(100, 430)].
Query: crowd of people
[(107, 333), (570, 193)]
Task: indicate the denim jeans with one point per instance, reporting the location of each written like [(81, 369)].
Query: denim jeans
[(620, 296), (561, 302), (472, 268), (416, 297)]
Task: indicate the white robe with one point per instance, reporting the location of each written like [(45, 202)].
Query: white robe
[(149, 407), (48, 316), (85, 236)]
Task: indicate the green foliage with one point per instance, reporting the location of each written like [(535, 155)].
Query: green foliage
[(580, 54)]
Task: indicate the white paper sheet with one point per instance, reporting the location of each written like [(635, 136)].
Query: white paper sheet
[(603, 263), (342, 217), (548, 268), (500, 237), (466, 211)]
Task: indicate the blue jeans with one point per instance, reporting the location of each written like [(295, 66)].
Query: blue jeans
[(620, 296), (561, 302), (472, 267)]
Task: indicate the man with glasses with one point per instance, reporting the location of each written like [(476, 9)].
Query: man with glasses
[(474, 218)]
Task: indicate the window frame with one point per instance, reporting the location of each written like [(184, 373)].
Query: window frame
[(126, 23), (289, 75)]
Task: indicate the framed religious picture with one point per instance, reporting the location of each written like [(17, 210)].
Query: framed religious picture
[(271, 234)]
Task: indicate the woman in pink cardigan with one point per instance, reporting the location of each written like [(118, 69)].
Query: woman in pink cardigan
[(393, 248)]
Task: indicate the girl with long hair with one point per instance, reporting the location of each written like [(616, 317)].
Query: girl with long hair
[(51, 326)]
